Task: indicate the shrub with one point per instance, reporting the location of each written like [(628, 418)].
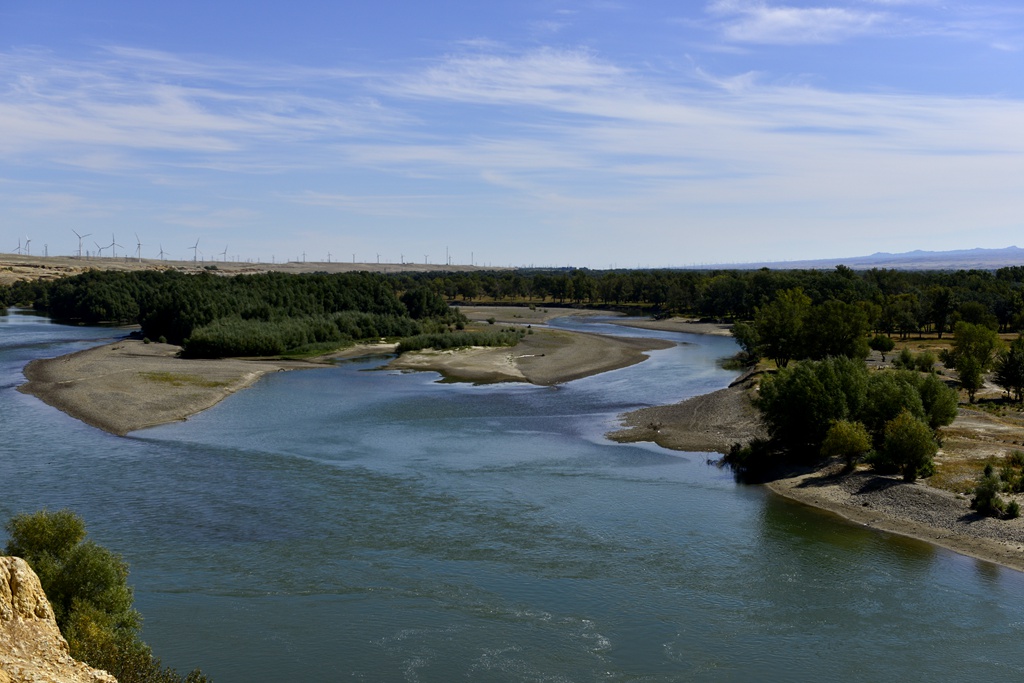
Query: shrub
[(909, 446), (847, 439), (986, 494), (905, 359), (925, 361), (882, 343)]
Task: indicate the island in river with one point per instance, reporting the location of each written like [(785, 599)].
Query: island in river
[(129, 385)]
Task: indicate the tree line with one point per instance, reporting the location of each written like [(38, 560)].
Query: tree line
[(251, 315)]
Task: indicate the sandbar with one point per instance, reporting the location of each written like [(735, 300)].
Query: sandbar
[(130, 385), (545, 357)]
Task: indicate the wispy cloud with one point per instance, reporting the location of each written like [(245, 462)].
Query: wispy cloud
[(754, 21), (561, 134)]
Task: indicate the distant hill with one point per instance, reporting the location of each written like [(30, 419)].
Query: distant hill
[(960, 259)]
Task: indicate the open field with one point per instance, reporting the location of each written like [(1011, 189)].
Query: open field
[(14, 267)]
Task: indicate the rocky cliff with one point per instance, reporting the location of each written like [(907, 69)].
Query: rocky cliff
[(31, 647)]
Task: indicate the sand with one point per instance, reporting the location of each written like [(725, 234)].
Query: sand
[(909, 509), (129, 385), (545, 357), (707, 423)]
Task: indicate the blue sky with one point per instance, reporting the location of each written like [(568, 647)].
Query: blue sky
[(584, 133)]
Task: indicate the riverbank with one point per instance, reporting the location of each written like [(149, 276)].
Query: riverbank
[(707, 423), (713, 422), (917, 510)]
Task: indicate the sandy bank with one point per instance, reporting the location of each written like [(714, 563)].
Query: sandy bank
[(129, 385), (909, 509), (715, 421), (545, 357), (711, 422), (687, 325)]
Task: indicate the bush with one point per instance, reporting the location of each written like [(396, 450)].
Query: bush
[(905, 359), (881, 343), (847, 439), (986, 494), (87, 586), (909, 446)]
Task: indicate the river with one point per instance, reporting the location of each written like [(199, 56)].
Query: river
[(349, 523)]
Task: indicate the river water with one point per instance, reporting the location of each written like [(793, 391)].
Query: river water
[(348, 523)]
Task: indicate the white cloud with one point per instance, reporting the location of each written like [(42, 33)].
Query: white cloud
[(753, 21), (545, 137)]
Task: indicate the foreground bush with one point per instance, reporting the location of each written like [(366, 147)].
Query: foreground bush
[(87, 586)]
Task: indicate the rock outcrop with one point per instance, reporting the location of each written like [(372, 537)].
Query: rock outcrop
[(32, 649)]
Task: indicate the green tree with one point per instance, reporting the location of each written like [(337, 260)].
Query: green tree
[(882, 343), (847, 439), (972, 354), (909, 446), (87, 586), (799, 404), (835, 328), (780, 325), (986, 494), (1009, 369)]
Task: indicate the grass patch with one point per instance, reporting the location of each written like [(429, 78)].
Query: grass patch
[(179, 380), (314, 350)]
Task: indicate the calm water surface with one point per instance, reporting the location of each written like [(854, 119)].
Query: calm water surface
[(354, 524)]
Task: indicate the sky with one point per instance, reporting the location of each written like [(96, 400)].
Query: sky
[(584, 133)]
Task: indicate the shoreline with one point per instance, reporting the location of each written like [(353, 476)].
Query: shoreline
[(914, 510), (713, 422)]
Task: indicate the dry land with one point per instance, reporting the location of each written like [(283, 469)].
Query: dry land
[(129, 385), (545, 357), (14, 267)]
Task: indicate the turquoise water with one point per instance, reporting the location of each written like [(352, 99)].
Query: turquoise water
[(354, 524)]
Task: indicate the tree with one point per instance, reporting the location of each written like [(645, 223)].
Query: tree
[(939, 401), (986, 494), (835, 328), (882, 343), (799, 404), (942, 304), (847, 439), (974, 348), (1009, 369), (87, 586), (909, 446), (779, 325)]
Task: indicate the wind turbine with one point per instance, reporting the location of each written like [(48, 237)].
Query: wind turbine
[(224, 253), (138, 248), (28, 251), (113, 246), (18, 250), (195, 250), (80, 238), (162, 253), (99, 249)]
